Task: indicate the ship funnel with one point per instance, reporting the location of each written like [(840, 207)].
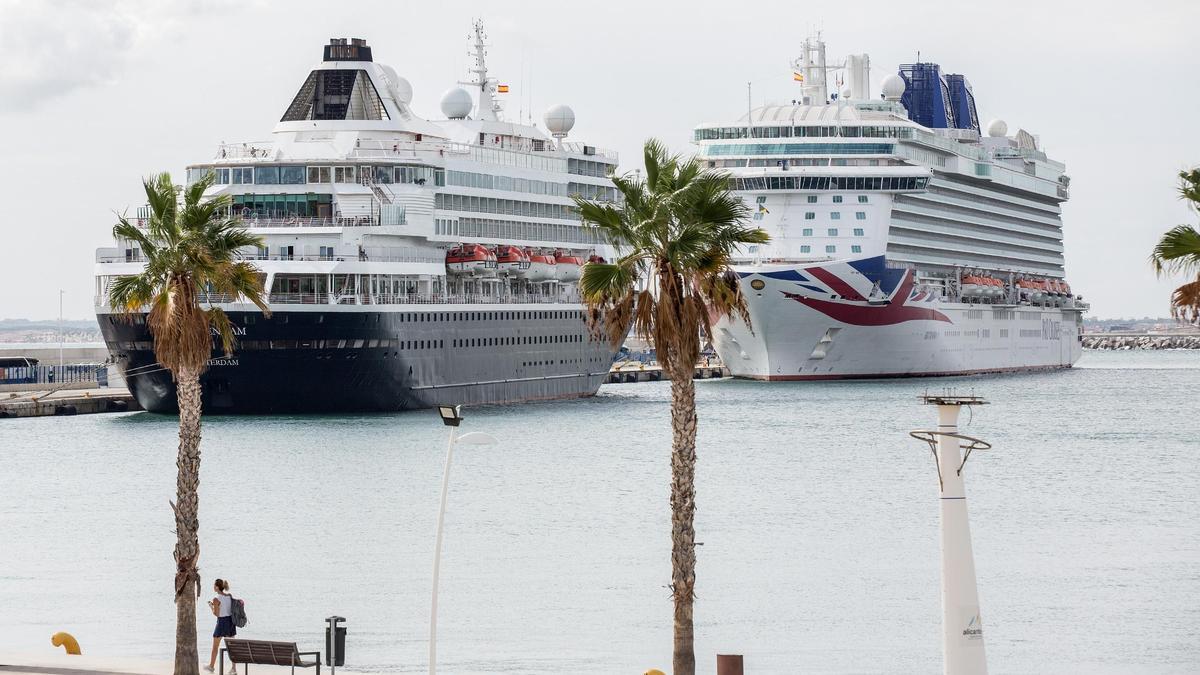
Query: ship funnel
[(347, 49)]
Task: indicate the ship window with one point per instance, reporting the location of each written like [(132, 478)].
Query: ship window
[(761, 200), (291, 175), (833, 232), (837, 199), (862, 199), (266, 175), (805, 249), (318, 174), (856, 249), (858, 232), (343, 174), (831, 249), (860, 215), (242, 175), (810, 215), (222, 176), (812, 199), (807, 232), (836, 215)]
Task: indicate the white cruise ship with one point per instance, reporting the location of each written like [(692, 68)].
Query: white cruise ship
[(410, 262), (903, 241)]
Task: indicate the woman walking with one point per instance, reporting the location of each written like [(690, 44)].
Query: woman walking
[(222, 608)]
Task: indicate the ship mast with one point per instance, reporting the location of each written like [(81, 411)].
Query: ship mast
[(489, 108)]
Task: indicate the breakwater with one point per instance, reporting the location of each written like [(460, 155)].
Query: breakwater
[(1141, 341)]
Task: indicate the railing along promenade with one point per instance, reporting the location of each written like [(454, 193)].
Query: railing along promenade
[(390, 299)]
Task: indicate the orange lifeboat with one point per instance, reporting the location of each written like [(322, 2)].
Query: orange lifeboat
[(568, 265), (512, 260), (542, 267), (472, 260), (973, 286)]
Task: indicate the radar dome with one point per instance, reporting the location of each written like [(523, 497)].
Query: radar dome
[(893, 87), (559, 119), (397, 86), (997, 128), (456, 103)]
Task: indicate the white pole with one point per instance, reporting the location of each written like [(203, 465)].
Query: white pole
[(962, 626), (437, 554), (60, 333)]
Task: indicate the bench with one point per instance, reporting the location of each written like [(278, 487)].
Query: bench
[(267, 653)]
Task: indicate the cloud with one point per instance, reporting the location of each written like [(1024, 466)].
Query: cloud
[(57, 47)]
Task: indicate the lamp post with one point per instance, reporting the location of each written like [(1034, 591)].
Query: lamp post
[(451, 416), (60, 332)]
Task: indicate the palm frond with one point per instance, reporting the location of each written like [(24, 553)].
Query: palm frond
[(1178, 251), (1185, 302)]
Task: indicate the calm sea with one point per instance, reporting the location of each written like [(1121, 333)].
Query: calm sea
[(818, 517)]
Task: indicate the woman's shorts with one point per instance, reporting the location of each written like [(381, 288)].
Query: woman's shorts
[(225, 627)]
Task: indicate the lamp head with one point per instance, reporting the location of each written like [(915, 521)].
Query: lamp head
[(451, 414)]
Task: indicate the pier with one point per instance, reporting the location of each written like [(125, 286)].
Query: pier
[(626, 372), (47, 403)]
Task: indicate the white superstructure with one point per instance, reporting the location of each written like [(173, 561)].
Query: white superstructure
[(903, 241)]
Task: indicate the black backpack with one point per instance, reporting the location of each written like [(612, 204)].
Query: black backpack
[(237, 612)]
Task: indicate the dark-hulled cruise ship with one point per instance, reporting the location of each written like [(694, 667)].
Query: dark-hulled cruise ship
[(409, 262)]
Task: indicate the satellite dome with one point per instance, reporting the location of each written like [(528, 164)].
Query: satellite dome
[(997, 128), (893, 87), (559, 119), (456, 103), (399, 88)]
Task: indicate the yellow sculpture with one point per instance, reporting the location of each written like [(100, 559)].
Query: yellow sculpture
[(66, 641)]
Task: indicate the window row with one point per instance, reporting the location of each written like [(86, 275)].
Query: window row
[(287, 174), (514, 207), (489, 181), (830, 183), (806, 161), (521, 231), (832, 232), (596, 193), (583, 167), (831, 249), (512, 340), (802, 149), (723, 133)]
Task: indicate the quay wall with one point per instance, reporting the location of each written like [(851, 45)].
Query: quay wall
[(1143, 341)]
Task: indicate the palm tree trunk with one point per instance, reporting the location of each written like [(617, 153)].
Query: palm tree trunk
[(683, 509), (187, 522)]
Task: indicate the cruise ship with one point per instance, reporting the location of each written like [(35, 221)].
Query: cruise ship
[(905, 241), (410, 262)]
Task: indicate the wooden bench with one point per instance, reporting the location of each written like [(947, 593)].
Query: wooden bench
[(264, 652)]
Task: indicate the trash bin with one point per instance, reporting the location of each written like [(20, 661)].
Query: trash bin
[(335, 644)]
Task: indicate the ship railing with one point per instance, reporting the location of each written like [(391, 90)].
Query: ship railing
[(300, 221), (254, 150), (409, 298)]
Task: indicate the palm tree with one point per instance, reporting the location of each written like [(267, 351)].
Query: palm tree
[(190, 249), (1178, 252), (676, 230)]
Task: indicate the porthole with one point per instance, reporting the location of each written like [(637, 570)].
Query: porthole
[(758, 284)]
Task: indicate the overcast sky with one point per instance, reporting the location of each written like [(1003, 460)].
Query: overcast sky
[(96, 94)]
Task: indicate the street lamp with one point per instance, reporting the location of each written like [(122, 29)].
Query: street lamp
[(451, 416)]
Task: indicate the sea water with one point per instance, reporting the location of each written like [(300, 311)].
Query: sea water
[(818, 518)]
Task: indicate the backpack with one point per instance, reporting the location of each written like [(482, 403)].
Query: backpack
[(237, 612)]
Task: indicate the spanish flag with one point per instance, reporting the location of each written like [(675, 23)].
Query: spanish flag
[(799, 77), (503, 89)]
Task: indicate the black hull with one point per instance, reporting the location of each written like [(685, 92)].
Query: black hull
[(376, 361)]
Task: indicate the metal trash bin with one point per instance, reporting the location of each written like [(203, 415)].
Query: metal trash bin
[(335, 642)]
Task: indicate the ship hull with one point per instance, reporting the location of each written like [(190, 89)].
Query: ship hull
[(336, 359), (859, 319)]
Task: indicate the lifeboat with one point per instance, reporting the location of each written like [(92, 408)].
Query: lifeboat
[(512, 261), (542, 267), (471, 260), (568, 265), (973, 286), (1029, 289)]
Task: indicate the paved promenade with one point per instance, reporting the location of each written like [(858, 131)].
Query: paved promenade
[(52, 662)]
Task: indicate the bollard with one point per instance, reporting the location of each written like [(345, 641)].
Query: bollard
[(729, 664), (66, 641)]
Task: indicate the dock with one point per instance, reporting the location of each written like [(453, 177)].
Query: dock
[(622, 373), (52, 402)]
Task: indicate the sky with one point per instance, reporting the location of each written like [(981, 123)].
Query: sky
[(94, 95)]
